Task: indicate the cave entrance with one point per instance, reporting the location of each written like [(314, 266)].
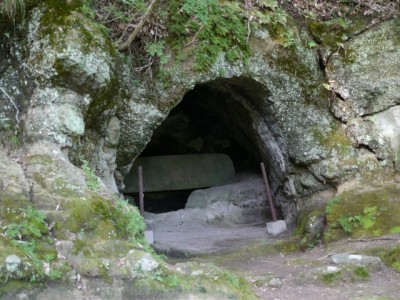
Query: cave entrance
[(223, 116)]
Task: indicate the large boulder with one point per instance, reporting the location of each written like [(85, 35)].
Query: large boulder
[(365, 70), (14, 186), (388, 123), (238, 193)]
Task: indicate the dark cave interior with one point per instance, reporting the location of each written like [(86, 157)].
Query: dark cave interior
[(209, 119)]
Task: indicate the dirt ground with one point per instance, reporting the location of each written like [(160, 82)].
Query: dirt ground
[(248, 251)]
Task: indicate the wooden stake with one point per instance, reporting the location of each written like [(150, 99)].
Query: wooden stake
[(141, 194), (271, 204)]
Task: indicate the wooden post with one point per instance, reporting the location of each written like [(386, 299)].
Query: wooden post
[(271, 204), (141, 194)]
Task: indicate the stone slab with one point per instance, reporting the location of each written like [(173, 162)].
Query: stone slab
[(238, 192), (276, 227), (180, 172), (355, 259), (149, 237)]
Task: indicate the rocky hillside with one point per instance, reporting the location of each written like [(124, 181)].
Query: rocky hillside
[(311, 91)]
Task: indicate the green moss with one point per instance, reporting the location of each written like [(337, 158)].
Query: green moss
[(15, 285), (335, 138), (389, 256), (371, 212), (336, 31), (60, 270), (212, 281), (361, 272), (103, 107), (64, 5), (25, 234), (105, 219), (330, 278), (38, 159), (395, 230), (46, 252), (306, 222), (392, 258), (9, 207), (62, 26)]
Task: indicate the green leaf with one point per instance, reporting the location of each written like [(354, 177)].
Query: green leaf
[(330, 205), (346, 225), (272, 4), (312, 44)]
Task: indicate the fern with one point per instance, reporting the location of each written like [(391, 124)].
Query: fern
[(213, 27), (91, 178)]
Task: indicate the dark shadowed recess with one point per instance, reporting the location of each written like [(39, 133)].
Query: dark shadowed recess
[(220, 116)]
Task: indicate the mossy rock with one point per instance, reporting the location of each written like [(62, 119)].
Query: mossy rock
[(345, 274), (332, 33), (364, 212), (202, 280), (104, 219), (390, 256), (311, 227)]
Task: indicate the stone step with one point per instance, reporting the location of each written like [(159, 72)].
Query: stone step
[(180, 172)]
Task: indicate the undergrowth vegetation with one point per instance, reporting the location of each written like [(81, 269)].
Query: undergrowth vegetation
[(199, 29), (26, 231), (363, 214), (203, 30)]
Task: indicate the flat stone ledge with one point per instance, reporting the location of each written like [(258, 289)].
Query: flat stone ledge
[(180, 172)]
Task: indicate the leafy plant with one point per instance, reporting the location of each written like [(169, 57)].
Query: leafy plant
[(31, 225), (331, 203), (156, 50), (28, 232), (134, 225), (366, 220), (91, 179), (212, 26), (312, 44)]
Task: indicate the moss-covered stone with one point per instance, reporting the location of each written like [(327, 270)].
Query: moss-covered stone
[(332, 33), (334, 139), (25, 239), (367, 211), (52, 184), (104, 218), (203, 280), (373, 55), (390, 256), (311, 226)]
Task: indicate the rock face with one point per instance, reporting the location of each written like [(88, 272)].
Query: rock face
[(388, 123), (73, 119), (74, 101), (365, 70), (363, 75)]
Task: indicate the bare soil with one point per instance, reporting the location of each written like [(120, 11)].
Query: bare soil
[(248, 251)]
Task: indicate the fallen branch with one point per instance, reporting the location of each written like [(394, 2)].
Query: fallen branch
[(125, 45), (195, 36)]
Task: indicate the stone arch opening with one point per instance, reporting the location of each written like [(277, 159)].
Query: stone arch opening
[(231, 116)]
